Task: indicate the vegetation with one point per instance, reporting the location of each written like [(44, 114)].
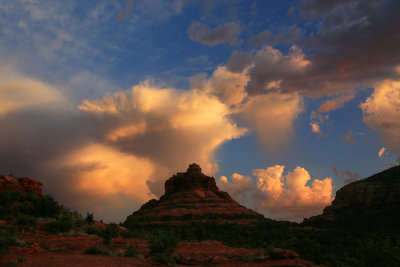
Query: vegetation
[(93, 250), (9, 237), (163, 244), (131, 251), (330, 246), (110, 232)]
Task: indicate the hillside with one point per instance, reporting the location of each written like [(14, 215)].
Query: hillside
[(371, 202)]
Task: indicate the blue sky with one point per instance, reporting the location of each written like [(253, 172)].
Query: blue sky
[(104, 100)]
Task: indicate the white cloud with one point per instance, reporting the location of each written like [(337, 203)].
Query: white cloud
[(381, 111)]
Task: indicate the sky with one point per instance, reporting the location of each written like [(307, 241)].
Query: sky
[(283, 102)]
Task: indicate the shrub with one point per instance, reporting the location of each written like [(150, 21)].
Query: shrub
[(111, 231), (130, 252), (9, 237), (60, 225), (89, 218), (25, 220), (46, 206), (163, 244), (93, 230), (93, 250)]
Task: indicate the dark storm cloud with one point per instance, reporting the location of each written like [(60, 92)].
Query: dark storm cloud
[(354, 44)]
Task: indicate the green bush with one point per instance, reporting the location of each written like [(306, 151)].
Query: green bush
[(111, 231), (163, 244), (93, 250), (93, 230), (60, 225), (89, 218), (25, 220), (130, 252), (9, 237)]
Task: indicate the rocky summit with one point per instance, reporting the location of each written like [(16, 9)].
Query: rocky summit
[(23, 185), (193, 197), (374, 202)]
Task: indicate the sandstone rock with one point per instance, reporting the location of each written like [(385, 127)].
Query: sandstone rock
[(374, 201), (24, 184), (193, 197)]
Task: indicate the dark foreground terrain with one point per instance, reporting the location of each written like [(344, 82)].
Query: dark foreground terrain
[(36, 231)]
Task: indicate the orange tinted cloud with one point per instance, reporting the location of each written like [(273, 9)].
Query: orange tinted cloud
[(104, 171), (283, 197), (170, 127), (335, 103), (272, 116), (381, 151)]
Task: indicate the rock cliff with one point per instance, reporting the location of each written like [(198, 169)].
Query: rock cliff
[(24, 184), (374, 201), (193, 197)]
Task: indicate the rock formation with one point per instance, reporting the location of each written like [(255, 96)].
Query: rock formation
[(193, 197), (24, 184), (374, 201)]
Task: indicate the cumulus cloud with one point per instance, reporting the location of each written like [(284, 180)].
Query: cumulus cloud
[(283, 196), (381, 112), (272, 116), (270, 65), (224, 34), (171, 127), (121, 146), (228, 86), (238, 186)]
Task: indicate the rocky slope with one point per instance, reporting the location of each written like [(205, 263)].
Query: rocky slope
[(374, 201), (193, 197), (24, 184)]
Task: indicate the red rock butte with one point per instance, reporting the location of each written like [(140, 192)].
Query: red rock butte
[(23, 185), (193, 197)]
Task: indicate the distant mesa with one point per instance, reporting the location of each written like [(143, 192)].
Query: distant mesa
[(193, 197), (371, 202), (23, 185)]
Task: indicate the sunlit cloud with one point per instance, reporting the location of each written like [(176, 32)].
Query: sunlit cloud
[(381, 152), (318, 120), (272, 117), (282, 196), (335, 103), (171, 127), (381, 111), (104, 171)]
